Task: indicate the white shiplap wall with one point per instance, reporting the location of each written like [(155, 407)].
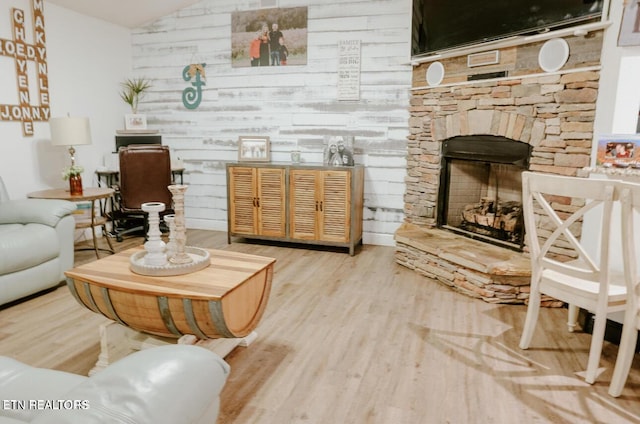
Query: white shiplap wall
[(293, 105)]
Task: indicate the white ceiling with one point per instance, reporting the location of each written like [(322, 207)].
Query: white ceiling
[(127, 13)]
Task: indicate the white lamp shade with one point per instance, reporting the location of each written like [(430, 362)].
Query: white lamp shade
[(69, 131)]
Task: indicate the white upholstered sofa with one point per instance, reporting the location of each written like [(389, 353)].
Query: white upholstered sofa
[(173, 384), (36, 244)]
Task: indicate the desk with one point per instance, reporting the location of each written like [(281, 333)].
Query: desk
[(89, 194)]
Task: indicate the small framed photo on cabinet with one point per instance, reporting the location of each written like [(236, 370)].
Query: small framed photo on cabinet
[(338, 150), (254, 149), (135, 122)]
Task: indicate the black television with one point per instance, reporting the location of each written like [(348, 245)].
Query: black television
[(442, 25)]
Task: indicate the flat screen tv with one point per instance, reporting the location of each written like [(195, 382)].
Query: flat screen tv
[(441, 25)]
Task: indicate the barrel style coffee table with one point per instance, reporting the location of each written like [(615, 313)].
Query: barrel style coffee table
[(225, 300)]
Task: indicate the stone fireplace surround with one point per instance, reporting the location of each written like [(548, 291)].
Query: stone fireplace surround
[(553, 113)]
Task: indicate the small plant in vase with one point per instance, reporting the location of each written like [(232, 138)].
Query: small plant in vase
[(72, 173), (133, 90)]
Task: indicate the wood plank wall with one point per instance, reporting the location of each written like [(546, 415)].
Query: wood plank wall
[(294, 105)]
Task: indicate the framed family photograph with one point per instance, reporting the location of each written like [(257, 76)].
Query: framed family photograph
[(254, 149), (338, 150), (269, 37)]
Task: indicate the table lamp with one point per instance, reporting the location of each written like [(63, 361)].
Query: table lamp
[(68, 131)]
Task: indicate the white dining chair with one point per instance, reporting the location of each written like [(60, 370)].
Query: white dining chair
[(630, 208), (553, 207)]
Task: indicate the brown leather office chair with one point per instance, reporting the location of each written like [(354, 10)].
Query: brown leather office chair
[(145, 174)]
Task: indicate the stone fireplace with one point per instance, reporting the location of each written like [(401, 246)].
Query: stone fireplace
[(549, 119)]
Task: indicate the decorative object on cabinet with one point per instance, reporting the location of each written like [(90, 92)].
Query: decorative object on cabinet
[(311, 204), (338, 150), (135, 122), (254, 149), (619, 151), (192, 96), (68, 131), (269, 37)]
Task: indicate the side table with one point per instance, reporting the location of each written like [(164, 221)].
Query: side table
[(88, 194)]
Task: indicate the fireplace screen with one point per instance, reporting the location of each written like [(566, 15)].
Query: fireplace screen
[(481, 195)]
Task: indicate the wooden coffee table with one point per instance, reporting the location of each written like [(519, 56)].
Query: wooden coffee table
[(226, 300)]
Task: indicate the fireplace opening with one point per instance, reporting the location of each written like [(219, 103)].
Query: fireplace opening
[(480, 192)]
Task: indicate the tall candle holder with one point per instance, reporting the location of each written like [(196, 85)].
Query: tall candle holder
[(169, 219), (154, 245), (180, 256)]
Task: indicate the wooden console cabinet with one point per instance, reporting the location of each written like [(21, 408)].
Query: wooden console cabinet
[(299, 203)]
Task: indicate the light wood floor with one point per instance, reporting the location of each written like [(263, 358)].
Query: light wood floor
[(363, 340)]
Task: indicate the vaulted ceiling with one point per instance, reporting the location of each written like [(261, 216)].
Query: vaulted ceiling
[(127, 13)]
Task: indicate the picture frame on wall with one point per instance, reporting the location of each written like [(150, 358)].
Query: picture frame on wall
[(254, 149), (269, 37), (338, 150), (135, 122)]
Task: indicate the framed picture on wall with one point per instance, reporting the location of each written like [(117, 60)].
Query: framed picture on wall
[(254, 149), (269, 37)]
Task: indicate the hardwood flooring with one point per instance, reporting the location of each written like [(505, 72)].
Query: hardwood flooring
[(362, 340)]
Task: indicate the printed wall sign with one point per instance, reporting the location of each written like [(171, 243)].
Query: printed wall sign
[(14, 47), (349, 70)]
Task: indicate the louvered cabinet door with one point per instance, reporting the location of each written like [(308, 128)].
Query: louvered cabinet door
[(271, 202), (242, 200), (335, 206), (303, 204)]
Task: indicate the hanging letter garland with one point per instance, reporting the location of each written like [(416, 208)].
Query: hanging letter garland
[(191, 97)]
